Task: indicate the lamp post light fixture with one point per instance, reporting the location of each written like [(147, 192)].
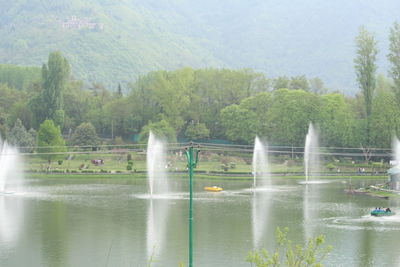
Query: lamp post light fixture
[(192, 154)]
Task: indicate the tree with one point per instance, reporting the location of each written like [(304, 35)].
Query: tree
[(260, 105), (161, 128), (196, 131), (119, 117), (240, 123), (50, 141), (85, 135), (290, 113), (337, 121), (281, 83), (119, 90), (365, 67), (317, 86), (385, 119), (299, 82), (54, 75), (20, 137), (78, 103), (394, 58)]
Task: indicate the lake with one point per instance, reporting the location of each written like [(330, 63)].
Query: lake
[(114, 222)]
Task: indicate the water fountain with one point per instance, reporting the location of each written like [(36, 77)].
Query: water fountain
[(260, 165), (156, 162), (158, 208), (311, 157), (311, 192), (396, 150), (261, 197), (11, 171)]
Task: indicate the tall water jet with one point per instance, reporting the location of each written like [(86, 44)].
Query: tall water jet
[(11, 171), (156, 164), (396, 150), (261, 169), (158, 185), (311, 157), (261, 198)]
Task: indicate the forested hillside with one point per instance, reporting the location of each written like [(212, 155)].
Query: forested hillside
[(116, 41)]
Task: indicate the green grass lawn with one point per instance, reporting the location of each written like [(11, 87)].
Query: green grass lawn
[(210, 163)]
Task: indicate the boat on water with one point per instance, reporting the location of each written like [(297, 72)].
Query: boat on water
[(382, 212), (213, 188)]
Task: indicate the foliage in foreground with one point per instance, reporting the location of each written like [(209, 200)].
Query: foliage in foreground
[(291, 255)]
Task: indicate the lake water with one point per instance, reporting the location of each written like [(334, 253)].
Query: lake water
[(106, 222)]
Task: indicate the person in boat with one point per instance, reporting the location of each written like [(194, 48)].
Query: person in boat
[(388, 210)]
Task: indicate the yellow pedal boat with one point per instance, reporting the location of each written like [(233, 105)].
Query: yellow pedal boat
[(213, 188)]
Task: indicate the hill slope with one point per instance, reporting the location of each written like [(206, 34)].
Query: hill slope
[(115, 41)]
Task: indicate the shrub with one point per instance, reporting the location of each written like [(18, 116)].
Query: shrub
[(330, 166), (310, 255), (60, 162)]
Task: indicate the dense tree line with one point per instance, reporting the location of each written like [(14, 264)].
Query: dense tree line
[(208, 103)]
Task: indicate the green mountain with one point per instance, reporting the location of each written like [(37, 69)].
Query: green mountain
[(115, 41)]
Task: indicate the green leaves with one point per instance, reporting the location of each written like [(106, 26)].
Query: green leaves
[(54, 76), (85, 135), (312, 254), (50, 141), (394, 58), (365, 66)]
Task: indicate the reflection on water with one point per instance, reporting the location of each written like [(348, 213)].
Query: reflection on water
[(11, 216), (310, 209), (111, 223), (260, 215), (157, 224)]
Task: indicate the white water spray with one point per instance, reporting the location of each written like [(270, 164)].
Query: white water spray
[(156, 166), (396, 150), (11, 170), (261, 170), (261, 198), (311, 157)]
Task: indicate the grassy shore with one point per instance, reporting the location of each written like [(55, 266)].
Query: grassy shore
[(184, 176), (211, 166)]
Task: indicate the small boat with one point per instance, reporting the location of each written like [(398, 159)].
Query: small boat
[(382, 212), (213, 188)]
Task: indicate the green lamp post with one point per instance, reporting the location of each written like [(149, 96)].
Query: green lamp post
[(192, 154)]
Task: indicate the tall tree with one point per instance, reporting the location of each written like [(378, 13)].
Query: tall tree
[(394, 58), (365, 67), (54, 75)]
